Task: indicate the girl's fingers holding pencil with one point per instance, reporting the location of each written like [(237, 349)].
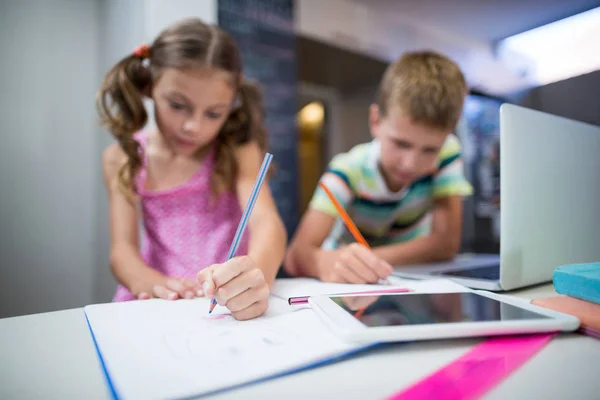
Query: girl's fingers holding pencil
[(243, 290), (253, 311), (247, 298), (231, 269), (206, 281)]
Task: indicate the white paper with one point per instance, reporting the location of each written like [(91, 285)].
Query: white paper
[(298, 287), (157, 349)]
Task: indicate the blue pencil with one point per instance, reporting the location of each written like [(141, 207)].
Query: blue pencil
[(246, 215)]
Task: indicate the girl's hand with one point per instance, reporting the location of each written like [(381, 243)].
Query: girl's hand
[(238, 285), (172, 289)]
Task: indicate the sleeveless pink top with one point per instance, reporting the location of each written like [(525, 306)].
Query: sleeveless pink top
[(185, 229)]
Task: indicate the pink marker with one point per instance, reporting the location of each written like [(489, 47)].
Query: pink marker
[(304, 299)]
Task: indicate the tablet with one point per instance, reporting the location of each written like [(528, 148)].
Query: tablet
[(426, 316)]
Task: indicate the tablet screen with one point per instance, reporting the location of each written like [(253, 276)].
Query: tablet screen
[(416, 309)]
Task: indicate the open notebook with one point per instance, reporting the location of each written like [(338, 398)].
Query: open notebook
[(157, 349)]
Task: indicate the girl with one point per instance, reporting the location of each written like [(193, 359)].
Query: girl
[(191, 176)]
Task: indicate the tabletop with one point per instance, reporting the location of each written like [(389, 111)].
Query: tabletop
[(52, 356)]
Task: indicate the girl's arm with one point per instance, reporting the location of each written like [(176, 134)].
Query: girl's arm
[(243, 284), (127, 266), (268, 237)]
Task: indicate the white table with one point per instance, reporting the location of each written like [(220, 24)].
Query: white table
[(52, 356)]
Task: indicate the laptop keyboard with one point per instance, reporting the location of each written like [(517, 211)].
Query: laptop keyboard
[(491, 272)]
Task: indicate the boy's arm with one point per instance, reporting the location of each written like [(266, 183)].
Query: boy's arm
[(348, 264), (442, 244), (301, 259), (303, 256)]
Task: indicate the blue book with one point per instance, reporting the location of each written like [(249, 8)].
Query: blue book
[(581, 281)]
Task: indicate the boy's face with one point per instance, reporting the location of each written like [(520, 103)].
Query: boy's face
[(409, 151)]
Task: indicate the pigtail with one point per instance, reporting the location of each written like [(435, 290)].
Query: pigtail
[(244, 124), (252, 107), (120, 105)]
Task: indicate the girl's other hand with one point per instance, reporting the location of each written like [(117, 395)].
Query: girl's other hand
[(173, 289), (238, 285)]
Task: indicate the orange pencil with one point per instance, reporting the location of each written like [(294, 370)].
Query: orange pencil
[(353, 229), (351, 226)]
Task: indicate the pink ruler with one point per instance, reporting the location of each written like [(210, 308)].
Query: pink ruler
[(483, 367)]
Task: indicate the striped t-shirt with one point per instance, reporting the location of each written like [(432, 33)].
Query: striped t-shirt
[(382, 216)]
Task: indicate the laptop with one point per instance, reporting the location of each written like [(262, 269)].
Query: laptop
[(549, 202)]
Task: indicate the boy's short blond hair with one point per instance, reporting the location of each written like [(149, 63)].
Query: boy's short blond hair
[(427, 86)]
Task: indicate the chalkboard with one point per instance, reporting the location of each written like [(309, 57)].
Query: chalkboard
[(264, 31)]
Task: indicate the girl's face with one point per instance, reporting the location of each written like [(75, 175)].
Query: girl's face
[(191, 106)]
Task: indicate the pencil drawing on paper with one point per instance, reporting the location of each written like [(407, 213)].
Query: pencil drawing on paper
[(224, 337)]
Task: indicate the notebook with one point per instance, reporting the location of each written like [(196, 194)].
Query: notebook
[(156, 349)]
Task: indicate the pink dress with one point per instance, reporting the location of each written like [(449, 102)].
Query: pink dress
[(184, 228)]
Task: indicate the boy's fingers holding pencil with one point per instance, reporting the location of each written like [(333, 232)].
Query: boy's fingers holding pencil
[(377, 265), (356, 262), (344, 274)]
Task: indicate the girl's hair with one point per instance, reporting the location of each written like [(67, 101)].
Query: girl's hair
[(189, 43)]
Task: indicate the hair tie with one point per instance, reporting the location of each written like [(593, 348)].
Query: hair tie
[(142, 51)]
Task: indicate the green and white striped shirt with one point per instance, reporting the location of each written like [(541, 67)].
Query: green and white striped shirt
[(382, 216)]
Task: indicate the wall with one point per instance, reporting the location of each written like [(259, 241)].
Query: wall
[(122, 29), (264, 32), (355, 105), (54, 230), (366, 28), (47, 202), (576, 98)]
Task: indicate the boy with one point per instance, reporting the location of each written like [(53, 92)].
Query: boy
[(403, 190)]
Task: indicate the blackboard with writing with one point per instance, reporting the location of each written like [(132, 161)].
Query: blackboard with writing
[(264, 32)]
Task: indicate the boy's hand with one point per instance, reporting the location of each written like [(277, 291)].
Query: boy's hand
[(238, 285), (172, 289), (352, 264)]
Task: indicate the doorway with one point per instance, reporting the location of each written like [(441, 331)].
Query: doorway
[(319, 136)]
